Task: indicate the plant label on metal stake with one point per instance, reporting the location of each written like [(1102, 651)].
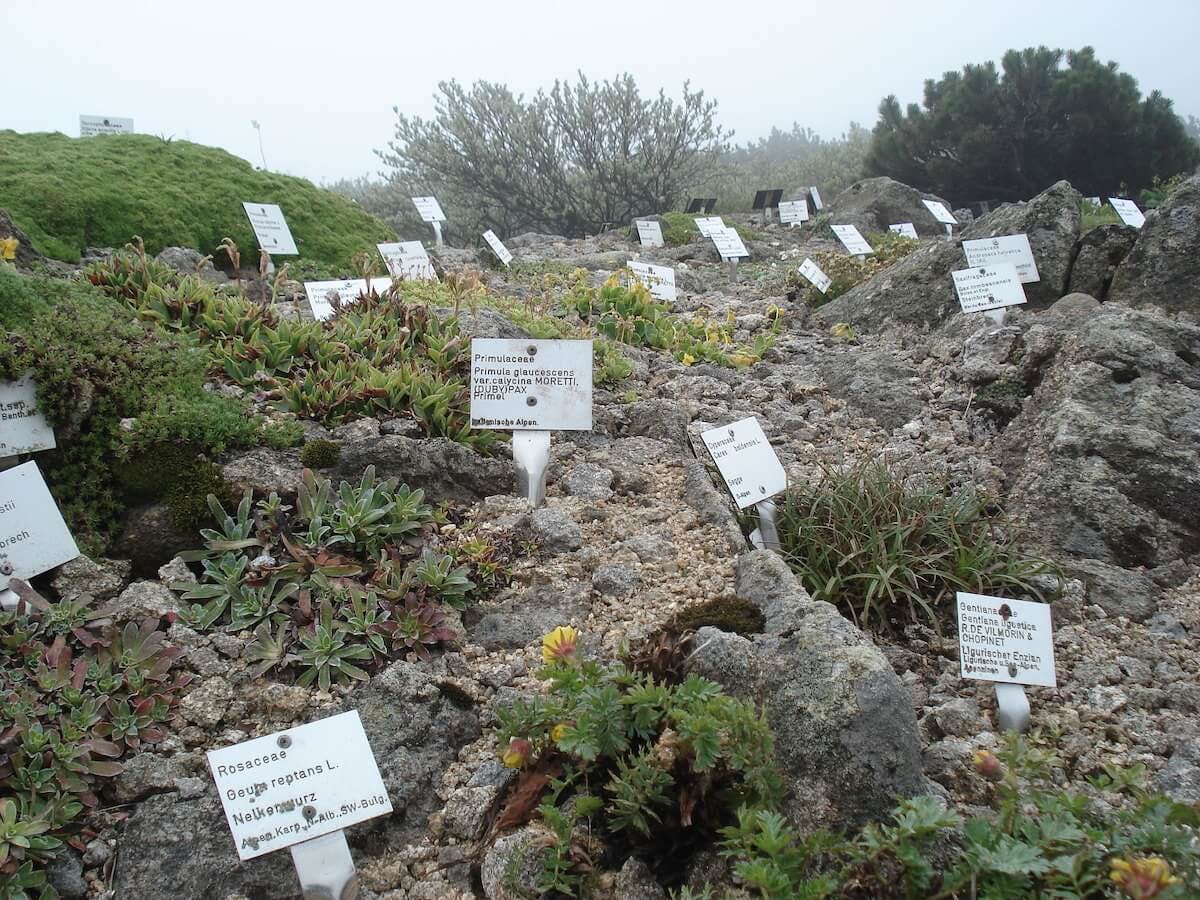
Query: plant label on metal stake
[(852, 240), (751, 470), (33, 536), (1011, 643), (502, 253), (907, 229), (23, 428), (531, 387), (1128, 211), (1011, 248), (299, 789), (988, 287), (793, 213), (271, 229), (431, 212), (649, 233), (320, 293), (659, 280), (407, 259)]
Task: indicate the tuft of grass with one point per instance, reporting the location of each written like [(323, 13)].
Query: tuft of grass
[(888, 550), (1093, 216), (680, 228), (67, 194)]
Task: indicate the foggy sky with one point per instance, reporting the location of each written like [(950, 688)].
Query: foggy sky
[(322, 78)]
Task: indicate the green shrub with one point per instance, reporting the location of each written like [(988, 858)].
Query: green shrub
[(888, 550), (67, 194)]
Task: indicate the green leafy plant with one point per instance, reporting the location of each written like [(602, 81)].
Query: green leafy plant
[(888, 549), (846, 271)]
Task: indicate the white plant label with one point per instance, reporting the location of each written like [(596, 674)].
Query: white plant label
[(429, 208), (815, 276), (708, 224), (793, 212), (659, 279), (746, 460), (296, 785), (90, 126), (852, 240), (502, 253), (988, 287), (940, 212), (1003, 640), (407, 259), (650, 233), (33, 536), (320, 293), (905, 228), (271, 229), (531, 385), (1128, 212), (1012, 248), (729, 243), (816, 199), (23, 428)]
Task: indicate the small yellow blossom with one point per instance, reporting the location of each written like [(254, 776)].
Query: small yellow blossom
[(688, 359), (558, 732), (741, 360), (1142, 878), (8, 248), (517, 753), (559, 645)]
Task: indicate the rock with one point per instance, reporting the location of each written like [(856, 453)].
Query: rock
[(554, 530), (486, 323), (65, 874), (205, 661), (1180, 778), (524, 619), (512, 865), (874, 383), (875, 203), (1119, 592), (469, 809), (958, 717), (150, 538), (96, 853), (712, 507), (845, 731), (146, 774), (175, 570), (1104, 460), (987, 353), (1163, 268), (1100, 252), (615, 580), (635, 881), (918, 289), (1166, 625), (589, 482), (100, 579), (445, 470), (146, 599), (286, 701), (661, 420), (189, 262), (650, 546), (209, 703)]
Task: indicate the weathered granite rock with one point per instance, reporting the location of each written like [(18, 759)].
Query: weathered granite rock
[(875, 203), (874, 383), (1163, 268), (100, 579), (1099, 254), (524, 619)]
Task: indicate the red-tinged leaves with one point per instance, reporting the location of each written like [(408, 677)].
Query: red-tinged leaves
[(105, 768), (104, 748), (79, 673), (527, 794), (153, 734)]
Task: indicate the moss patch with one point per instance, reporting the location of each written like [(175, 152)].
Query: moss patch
[(728, 614)]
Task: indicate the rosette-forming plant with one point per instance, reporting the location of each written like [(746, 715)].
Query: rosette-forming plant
[(352, 577)]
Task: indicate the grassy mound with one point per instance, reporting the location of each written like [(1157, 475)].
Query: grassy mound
[(70, 193)]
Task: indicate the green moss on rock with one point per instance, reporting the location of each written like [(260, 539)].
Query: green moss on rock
[(320, 454), (726, 613)]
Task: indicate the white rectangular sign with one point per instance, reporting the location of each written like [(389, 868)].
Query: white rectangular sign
[(816, 199), (708, 224), (33, 536), (815, 276), (23, 428), (746, 460), (988, 287), (1012, 248), (407, 259), (729, 243), (296, 785), (793, 212), (940, 212), (659, 279), (852, 240), (905, 228), (271, 229), (429, 208), (320, 293), (649, 233), (531, 385), (497, 245), (1128, 211), (90, 126), (1005, 640)]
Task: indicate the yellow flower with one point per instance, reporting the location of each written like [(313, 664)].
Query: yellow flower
[(517, 753), (741, 360), (558, 732), (559, 645), (1142, 878), (8, 248), (688, 359), (842, 330), (987, 765)]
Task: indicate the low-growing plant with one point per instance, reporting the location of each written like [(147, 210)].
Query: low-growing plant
[(679, 228), (846, 271), (889, 549), (1093, 215), (320, 454)]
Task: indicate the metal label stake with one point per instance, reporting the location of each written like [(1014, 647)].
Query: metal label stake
[(325, 868), (766, 535), (1012, 707), (733, 269), (437, 233), (949, 232), (996, 315), (531, 457)]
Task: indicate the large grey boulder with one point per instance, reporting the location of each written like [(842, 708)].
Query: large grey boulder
[(1100, 252), (874, 383), (918, 290), (174, 848), (1104, 460), (876, 203), (1163, 268), (845, 731)]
